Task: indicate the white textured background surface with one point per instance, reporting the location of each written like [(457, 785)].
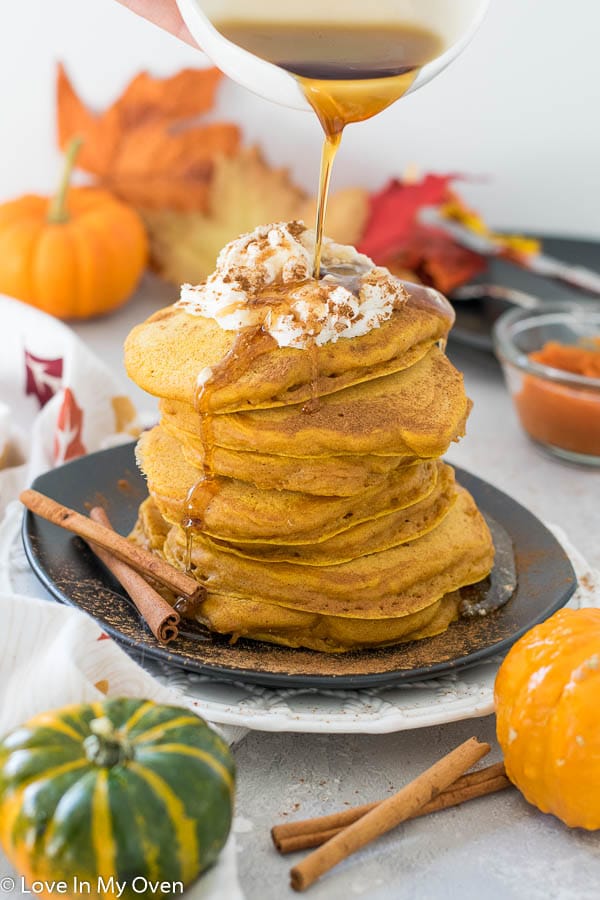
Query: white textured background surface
[(519, 108)]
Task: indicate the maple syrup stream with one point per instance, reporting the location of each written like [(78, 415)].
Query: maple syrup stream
[(348, 72)]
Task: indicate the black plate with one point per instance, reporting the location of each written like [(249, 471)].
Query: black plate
[(475, 318), (72, 574)]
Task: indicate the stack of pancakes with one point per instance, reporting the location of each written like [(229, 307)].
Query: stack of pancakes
[(327, 519)]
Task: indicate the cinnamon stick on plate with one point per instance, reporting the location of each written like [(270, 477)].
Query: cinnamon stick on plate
[(302, 835), (161, 618), (387, 814), (139, 559)]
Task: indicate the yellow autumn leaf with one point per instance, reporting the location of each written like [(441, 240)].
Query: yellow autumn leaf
[(457, 211), (347, 213), (244, 192)]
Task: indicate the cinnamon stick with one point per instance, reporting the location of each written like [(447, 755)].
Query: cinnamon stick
[(348, 816), (139, 559), (312, 834), (159, 616), (388, 814)]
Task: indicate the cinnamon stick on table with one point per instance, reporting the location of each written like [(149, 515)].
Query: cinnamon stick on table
[(139, 559), (161, 618), (387, 814), (307, 833)]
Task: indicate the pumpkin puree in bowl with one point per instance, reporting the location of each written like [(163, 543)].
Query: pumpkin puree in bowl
[(567, 417)]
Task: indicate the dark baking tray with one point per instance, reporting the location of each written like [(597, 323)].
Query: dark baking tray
[(475, 318)]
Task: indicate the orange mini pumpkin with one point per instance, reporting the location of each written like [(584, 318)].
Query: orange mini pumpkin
[(76, 255), (548, 716)]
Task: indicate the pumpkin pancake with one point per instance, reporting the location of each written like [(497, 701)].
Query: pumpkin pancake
[(330, 476), (417, 411), (329, 634), (373, 536), (229, 613), (283, 375), (241, 513), (296, 628), (395, 582)]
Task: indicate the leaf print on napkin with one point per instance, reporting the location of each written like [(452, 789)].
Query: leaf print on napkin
[(69, 424), (43, 376)]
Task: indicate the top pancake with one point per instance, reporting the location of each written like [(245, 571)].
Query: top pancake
[(165, 355)]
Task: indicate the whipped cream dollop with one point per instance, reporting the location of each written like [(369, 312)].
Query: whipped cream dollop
[(264, 278)]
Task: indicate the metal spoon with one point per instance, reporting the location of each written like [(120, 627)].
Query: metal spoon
[(495, 292)]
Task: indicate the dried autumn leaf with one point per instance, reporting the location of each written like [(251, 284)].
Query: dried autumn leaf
[(347, 213), (185, 95), (142, 147), (394, 213), (244, 192), (100, 134), (160, 170), (436, 260), (394, 237)]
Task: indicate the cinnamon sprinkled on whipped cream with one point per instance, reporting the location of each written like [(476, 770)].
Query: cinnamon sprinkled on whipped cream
[(265, 278)]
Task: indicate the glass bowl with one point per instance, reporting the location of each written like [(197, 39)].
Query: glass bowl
[(559, 411)]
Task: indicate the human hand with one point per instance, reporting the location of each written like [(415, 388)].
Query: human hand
[(163, 13)]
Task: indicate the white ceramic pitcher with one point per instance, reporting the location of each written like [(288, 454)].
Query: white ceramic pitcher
[(455, 21)]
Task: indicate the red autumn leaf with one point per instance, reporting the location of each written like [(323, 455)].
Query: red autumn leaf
[(437, 259), (43, 376), (395, 238), (69, 425), (394, 213)]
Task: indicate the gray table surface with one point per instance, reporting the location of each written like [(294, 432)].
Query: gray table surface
[(497, 848)]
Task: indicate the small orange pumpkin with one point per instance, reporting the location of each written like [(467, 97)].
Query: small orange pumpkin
[(76, 255), (548, 716)]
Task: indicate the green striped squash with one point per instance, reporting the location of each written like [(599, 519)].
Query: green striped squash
[(122, 790)]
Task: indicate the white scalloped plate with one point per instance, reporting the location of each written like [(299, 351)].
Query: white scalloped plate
[(466, 694), (373, 710)]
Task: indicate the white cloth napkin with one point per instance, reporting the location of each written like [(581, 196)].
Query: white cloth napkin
[(58, 401)]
